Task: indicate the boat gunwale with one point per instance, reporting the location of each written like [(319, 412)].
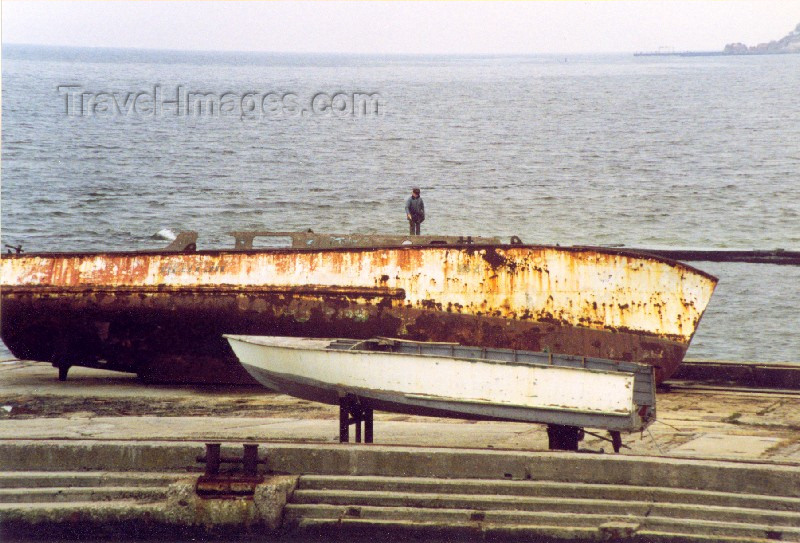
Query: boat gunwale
[(289, 250), (637, 371)]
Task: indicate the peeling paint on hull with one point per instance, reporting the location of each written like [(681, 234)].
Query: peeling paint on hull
[(162, 313)]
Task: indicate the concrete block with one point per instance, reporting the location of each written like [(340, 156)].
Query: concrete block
[(99, 456), (270, 499), (262, 510)]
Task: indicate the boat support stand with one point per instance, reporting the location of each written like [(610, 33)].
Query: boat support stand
[(352, 412), (566, 438)]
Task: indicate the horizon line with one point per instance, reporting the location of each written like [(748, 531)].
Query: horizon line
[(320, 53)]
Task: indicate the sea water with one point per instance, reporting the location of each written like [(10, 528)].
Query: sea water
[(102, 149)]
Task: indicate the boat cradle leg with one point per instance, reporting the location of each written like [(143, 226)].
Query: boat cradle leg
[(351, 412), (564, 438), (62, 364), (368, 425), (616, 440), (344, 421)]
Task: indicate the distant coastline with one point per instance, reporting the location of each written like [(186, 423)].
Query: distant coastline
[(789, 44)]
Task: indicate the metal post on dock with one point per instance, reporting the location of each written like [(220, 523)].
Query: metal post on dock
[(250, 459), (212, 458), (231, 483)]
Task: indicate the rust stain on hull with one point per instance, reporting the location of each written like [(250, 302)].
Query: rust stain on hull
[(148, 312)]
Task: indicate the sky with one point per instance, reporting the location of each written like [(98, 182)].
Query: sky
[(414, 27)]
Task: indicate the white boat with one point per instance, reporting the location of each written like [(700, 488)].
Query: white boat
[(450, 380)]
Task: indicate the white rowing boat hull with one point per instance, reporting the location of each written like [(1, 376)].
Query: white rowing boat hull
[(445, 386)]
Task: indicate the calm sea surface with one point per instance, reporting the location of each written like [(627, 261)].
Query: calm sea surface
[(601, 150)]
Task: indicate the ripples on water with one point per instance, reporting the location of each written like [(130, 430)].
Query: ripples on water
[(601, 150)]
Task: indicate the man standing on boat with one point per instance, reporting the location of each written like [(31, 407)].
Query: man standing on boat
[(415, 212)]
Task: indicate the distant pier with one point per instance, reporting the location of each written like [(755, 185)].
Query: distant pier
[(706, 53), (680, 54), (770, 256)]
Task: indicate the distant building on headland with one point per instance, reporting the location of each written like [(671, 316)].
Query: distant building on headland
[(788, 44)]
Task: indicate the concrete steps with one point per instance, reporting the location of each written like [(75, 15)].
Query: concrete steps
[(78, 520), (723, 531), (72, 512), (297, 512), (408, 530), (47, 479), (81, 494), (531, 509), (80, 488), (397, 493), (80, 499), (549, 489)]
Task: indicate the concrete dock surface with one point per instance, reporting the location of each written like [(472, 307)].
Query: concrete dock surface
[(100, 452), (702, 422)]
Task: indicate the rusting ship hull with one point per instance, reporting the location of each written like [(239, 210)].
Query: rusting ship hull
[(163, 314)]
